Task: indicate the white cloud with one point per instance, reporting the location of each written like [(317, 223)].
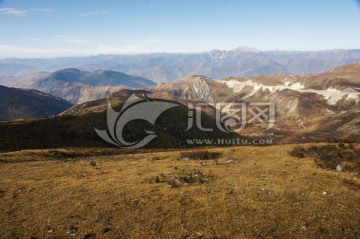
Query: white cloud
[(57, 38), (77, 40), (23, 12), (106, 49), (89, 14), (153, 40), (87, 50), (32, 39), (83, 47), (42, 10), (13, 11), (30, 52), (70, 39)]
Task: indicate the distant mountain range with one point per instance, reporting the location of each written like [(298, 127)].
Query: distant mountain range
[(77, 86), (20, 104), (217, 64)]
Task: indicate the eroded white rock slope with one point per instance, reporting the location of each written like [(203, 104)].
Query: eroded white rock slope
[(331, 95)]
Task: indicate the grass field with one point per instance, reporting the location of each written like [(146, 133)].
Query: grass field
[(248, 192)]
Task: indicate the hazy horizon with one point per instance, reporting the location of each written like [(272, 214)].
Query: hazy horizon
[(175, 53)]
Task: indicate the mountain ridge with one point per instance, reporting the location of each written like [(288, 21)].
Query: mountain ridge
[(167, 67), (27, 103), (78, 86)]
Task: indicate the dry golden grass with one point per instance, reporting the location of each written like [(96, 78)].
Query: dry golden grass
[(262, 192)]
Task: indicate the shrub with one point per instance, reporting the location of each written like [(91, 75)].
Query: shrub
[(93, 163), (298, 152), (155, 179), (191, 177), (200, 155), (89, 236), (2, 193), (73, 229), (106, 229), (61, 154), (313, 150), (352, 184), (184, 178), (329, 156)]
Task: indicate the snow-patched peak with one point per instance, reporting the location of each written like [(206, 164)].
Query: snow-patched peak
[(220, 54), (223, 54)]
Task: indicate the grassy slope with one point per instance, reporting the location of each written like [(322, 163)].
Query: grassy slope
[(23, 103), (264, 193)]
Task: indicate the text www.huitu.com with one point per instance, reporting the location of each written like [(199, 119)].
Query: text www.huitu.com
[(236, 141)]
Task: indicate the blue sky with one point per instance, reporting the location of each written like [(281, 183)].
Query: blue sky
[(53, 28)]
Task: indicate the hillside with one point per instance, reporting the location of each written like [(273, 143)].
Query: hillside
[(250, 192), (22, 103), (78, 86), (76, 126), (308, 107)]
